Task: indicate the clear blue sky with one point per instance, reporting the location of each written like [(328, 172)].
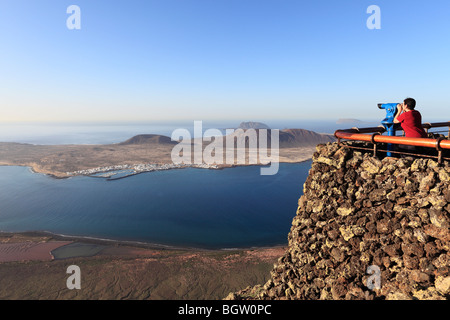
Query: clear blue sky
[(221, 59)]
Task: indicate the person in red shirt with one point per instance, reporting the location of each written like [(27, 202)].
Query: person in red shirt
[(410, 119)]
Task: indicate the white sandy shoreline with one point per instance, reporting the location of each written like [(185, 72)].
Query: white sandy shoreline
[(144, 168)]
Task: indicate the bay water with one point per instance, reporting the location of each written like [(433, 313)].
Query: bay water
[(190, 207)]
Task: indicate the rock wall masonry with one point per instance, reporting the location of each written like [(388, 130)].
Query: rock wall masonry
[(392, 215)]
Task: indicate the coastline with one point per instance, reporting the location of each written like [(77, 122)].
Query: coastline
[(96, 171), (127, 243), (63, 161)]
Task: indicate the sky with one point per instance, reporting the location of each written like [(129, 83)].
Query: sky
[(252, 60)]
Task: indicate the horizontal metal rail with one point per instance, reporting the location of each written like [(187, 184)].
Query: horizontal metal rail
[(374, 135)]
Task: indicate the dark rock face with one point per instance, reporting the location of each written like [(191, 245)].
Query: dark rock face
[(358, 213)]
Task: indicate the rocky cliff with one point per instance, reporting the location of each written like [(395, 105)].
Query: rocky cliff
[(366, 228)]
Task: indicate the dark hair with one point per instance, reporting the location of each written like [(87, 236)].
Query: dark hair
[(410, 102)]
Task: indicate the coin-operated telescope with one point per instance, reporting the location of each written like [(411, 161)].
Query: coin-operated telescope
[(388, 122)]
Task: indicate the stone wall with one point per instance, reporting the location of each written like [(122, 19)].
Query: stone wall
[(361, 219)]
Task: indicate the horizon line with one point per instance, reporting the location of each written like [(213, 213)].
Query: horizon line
[(162, 121)]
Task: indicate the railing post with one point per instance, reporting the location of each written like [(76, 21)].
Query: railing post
[(374, 143), (439, 149)]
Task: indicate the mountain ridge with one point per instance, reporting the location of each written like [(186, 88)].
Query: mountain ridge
[(288, 138)]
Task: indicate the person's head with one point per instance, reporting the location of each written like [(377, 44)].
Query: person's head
[(409, 103)]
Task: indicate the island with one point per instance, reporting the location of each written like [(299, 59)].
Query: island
[(143, 153)]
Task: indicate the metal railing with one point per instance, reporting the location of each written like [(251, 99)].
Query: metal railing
[(421, 147)]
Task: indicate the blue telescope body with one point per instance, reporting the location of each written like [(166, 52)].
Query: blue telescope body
[(391, 110), (388, 122)]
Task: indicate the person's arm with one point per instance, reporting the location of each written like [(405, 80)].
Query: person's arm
[(399, 111)]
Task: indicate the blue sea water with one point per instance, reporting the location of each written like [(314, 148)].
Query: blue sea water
[(203, 208)]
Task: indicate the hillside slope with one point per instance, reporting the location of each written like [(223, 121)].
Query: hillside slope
[(302, 138), (288, 138)]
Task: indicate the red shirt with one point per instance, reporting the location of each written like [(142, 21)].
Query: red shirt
[(411, 122)]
